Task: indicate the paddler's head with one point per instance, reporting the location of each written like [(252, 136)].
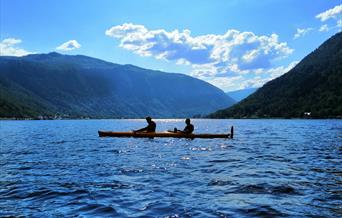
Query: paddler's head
[(148, 119), (187, 121)]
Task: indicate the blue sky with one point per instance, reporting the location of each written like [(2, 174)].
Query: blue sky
[(232, 44)]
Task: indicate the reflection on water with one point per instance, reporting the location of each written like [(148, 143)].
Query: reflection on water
[(271, 168)]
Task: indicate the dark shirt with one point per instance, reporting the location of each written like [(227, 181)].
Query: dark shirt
[(189, 129), (151, 127)]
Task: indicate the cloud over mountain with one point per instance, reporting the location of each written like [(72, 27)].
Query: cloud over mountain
[(302, 32), (211, 55), (324, 28), (332, 13), (251, 79), (69, 45), (8, 47)]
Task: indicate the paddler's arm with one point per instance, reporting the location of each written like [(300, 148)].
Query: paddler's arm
[(187, 130), (140, 130)]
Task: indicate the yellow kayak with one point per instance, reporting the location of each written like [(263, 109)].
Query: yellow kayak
[(165, 134)]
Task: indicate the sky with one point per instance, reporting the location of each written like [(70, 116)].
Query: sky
[(232, 44)]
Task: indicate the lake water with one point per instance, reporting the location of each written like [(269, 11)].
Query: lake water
[(272, 168)]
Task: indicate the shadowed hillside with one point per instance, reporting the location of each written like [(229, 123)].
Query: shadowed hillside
[(314, 85), (80, 86)]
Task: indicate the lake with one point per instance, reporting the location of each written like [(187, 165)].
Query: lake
[(272, 168)]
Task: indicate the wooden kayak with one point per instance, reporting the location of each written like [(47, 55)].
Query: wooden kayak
[(165, 134)]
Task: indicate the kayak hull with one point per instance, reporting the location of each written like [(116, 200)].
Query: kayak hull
[(163, 135)]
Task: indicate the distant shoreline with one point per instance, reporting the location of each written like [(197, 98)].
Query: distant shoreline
[(205, 118)]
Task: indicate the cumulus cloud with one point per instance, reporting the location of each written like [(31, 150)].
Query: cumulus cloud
[(8, 48), (302, 32), (243, 48), (332, 13), (252, 79), (233, 52), (278, 71), (69, 45)]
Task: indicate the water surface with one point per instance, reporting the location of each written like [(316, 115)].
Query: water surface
[(272, 168)]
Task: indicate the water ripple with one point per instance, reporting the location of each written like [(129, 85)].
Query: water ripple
[(272, 168)]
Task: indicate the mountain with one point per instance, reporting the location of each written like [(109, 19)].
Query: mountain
[(241, 94), (81, 86), (314, 85)]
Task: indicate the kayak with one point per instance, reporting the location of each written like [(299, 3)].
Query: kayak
[(165, 134)]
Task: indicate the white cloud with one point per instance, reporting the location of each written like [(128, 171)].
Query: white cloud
[(331, 13), (229, 60), (302, 32), (334, 14), (69, 45), (252, 79), (209, 54), (278, 71), (339, 23), (324, 28), (227, 83), (8, 48)]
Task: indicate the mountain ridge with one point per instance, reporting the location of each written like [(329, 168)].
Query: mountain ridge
[(313, 88), (239, 95), (82, 86)]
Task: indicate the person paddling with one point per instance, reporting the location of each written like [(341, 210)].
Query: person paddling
[(151, 127), (189, 128)]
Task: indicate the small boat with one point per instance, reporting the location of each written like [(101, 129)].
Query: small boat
[(166, 134)]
